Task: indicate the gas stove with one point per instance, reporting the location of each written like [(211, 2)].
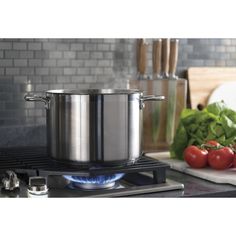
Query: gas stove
[(29, 172)]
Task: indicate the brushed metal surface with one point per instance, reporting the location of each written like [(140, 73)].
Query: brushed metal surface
[(95, 126)]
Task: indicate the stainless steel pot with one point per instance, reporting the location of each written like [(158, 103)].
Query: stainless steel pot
[(94, 126)]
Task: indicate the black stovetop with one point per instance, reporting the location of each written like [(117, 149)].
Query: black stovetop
[(145, 176)]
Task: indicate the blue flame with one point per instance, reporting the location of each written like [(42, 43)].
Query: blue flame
[(99, 179)]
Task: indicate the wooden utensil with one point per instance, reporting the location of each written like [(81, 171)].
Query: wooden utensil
[(141, 58), (156, 58), (165, 57), (174, 48)]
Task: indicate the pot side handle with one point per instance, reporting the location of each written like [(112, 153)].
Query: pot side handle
[(150, 98), (35, 98)]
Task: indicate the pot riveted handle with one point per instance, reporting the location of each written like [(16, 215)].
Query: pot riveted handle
[(35, 98), (150, 98)]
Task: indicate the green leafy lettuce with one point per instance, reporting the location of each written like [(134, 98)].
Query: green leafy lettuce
[(215, 122)]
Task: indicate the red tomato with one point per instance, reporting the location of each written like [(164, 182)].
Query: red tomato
[(221, 159), (213, 143), (209, 145), (195, 157)]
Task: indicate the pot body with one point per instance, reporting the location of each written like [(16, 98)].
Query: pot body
[(94, 127)]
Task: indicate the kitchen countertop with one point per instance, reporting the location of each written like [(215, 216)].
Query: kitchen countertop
[(194, 187)]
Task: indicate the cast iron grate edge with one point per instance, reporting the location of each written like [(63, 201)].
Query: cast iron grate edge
[(34, 161)]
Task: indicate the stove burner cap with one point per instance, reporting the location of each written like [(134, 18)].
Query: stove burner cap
[(95, 182)]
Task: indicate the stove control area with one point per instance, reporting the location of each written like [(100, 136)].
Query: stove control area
[(37, 185), (10, 181)]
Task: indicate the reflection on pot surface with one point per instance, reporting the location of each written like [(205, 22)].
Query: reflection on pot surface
[(94, 126)]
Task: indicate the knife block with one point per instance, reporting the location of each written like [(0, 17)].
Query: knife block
[(155, 113)]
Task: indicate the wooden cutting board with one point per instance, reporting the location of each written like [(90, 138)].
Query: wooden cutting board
[(221, 177), (225, 92), (204, 80)]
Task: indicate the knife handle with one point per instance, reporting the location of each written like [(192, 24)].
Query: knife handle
[(156, 58), (141, 56), (174, 47), (165, 57)]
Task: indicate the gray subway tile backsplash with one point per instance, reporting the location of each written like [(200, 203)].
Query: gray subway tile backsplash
[(77, 47), (12, 71), (41, 54), (26, 54), (9, 54), (63, 62), (19, 46), (6, 45), (56, 71), (69, 71), (27, 71), (6, 62), (36, 65), (34, 46), (20, 62), (37, 62), (49, 46), (83, 55)]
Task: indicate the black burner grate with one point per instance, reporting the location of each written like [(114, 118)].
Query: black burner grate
[(34, 161)]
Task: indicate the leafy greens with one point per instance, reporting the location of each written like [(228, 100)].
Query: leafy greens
[(215, 122)]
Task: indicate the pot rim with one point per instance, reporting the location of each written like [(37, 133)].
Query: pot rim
[(94, 91)]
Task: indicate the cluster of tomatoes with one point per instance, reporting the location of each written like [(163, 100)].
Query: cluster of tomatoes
[(210, 154)]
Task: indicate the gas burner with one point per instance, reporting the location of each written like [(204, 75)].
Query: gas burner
[(146, 175), (94, 182)]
